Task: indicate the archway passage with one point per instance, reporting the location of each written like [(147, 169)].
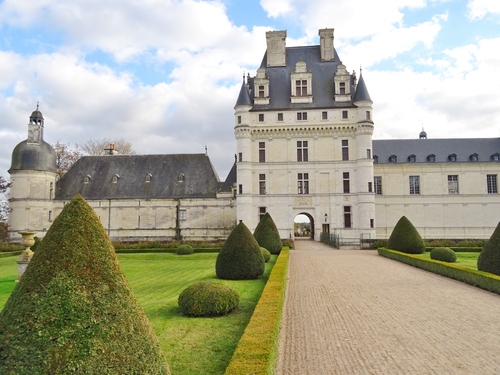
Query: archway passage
[(303, 226)]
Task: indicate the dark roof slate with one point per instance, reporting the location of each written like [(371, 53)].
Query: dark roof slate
[(243, 97), (361, 91), (463, 148), (171, 177), (322, 80), (33, 156)]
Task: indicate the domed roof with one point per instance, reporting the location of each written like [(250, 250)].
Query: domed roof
[(34, 156), (36, 114), (423, 134)]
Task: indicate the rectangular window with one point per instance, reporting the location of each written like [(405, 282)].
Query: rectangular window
[(491, 182), (261, 117), (240, 189), (377, 183), (342, 88), (240, 156), (346, 183), (239, 119), (262, 184), (303, 183), (262, 152), (50, 215), (368, 115), (261, 91), (415, 185), (370, 187), (345, 115), (324, 115), (262, 212), (302, 151), (347, 217), (301, 116), (372, 223), (345, 149), (452, 184), (280, 116), (368, 153), (301, 87), (182, 214)]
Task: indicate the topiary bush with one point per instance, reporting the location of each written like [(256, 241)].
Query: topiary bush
[(444, 254), (266, 254), (240, 257), (185, 250), (207, 298), (405, 238), (489, 258), (267, 234), (73, 311)]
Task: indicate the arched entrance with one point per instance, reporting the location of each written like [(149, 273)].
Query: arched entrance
[(303, 226)]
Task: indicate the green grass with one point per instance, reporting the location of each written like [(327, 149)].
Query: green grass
[(468, 260), (191, 345)]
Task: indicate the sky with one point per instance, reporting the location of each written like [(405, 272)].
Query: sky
[(165, 74)]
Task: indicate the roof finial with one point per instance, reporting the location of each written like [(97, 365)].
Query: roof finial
[(360, 69), (206, 150), (37, 104)]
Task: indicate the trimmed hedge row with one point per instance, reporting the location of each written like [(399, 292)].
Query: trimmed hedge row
[(257, 349), (483, 280), (165, 250)]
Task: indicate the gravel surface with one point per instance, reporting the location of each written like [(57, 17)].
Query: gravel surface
[(355, 312)]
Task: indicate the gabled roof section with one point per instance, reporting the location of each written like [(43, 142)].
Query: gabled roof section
[(361, 91), (441, 148), (230, 179), (244, 96), (140, 177), (322, 79)]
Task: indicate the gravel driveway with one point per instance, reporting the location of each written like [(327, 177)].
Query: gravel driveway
[(355, 312)]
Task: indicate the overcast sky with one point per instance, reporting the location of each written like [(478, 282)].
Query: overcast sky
[(165, 75)]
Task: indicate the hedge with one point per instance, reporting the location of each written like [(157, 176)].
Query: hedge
[(480, 279), (257, 349)]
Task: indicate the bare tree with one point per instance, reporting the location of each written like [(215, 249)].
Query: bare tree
[(4, 208), (66, 156), (102, 146)]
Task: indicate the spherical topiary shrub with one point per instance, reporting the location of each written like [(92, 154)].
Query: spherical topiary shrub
[(405, 238), (240, 257), (208, 299), (444, 254), (266, 254), (489, 258), (267, 235), (185, 250)]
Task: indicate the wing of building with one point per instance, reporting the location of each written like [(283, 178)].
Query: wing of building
[(303, 127)]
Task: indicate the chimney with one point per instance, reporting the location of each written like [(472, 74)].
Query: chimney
[(276, 48), (326, 43), (111, 150)]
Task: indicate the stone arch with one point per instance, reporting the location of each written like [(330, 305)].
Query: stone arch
[(299, 228)]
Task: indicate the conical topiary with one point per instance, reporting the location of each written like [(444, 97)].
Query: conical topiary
[(73, 311), (267, 234), (405, 238), (240, 257), (489, 258)]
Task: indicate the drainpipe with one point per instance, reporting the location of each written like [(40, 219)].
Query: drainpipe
[(178, 221)]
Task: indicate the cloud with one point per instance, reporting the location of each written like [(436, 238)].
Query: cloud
[(277, 8), (478, 9)]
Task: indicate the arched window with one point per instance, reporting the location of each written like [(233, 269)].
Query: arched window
[(431, 158), (181, 177), (474, 157), (115, 179), (452, 157), (393, 159), (412, 158), (148, 177)]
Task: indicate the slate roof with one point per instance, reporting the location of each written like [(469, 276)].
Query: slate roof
[(463, 148), (361, 91), (322, 80), (33, 156), (171, 176)]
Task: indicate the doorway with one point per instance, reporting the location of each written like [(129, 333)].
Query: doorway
[(303, 226)]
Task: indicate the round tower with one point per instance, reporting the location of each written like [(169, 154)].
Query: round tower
[(33, 173)]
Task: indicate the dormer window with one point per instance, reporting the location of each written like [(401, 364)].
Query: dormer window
[(87, 179), (148, 177), (431, 158), (261, 87), (474, 157), (375, 159), (342, 82), (495, 157), (181, 177), (393, 159), (261, 91), (412, 158), (301, 84), (452, 158), (115, 179), (342, 88)]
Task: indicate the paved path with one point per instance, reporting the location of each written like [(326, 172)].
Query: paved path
[(355, 312)]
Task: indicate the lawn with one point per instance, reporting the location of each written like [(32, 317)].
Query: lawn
[(468, 260), (191, 345)]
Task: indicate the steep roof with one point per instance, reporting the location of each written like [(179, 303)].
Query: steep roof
[(243, 97), (463, 148), (140, 176), (361, 91), (322, 79)]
